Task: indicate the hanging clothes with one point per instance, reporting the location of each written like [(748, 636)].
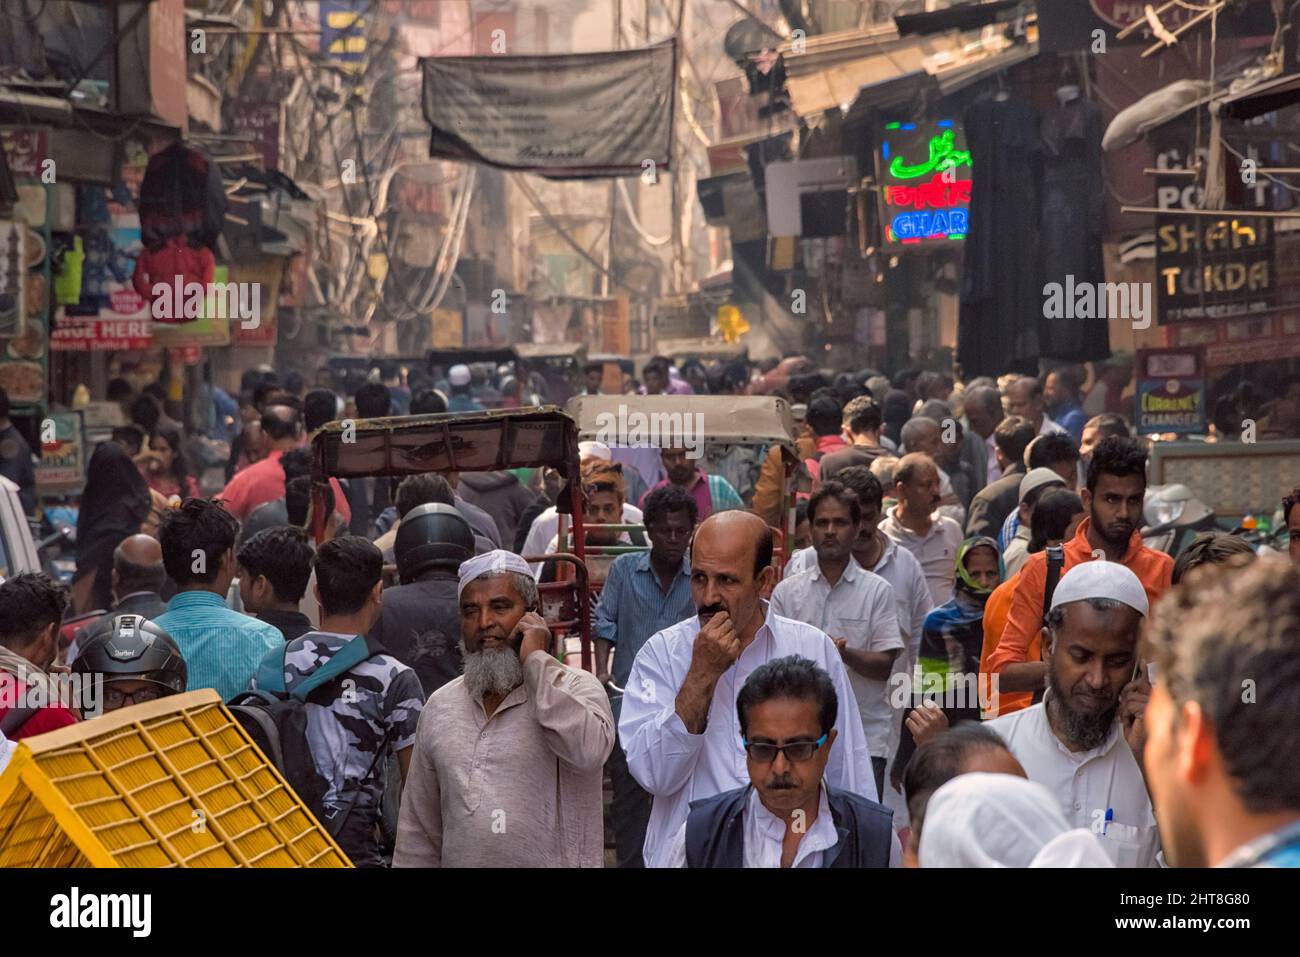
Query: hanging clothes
[(1002, 288), (1073, 220)]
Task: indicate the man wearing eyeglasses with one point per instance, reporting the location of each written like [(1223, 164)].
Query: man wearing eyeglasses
[(786, 816), (678, 718)]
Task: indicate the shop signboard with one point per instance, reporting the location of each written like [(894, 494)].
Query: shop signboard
[(924, 172), (1171, 389), (62, 466)]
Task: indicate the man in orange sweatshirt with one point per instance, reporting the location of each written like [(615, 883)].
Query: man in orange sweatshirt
[(1113, 499)]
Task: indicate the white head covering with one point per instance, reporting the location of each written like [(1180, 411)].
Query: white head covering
[(989, 820), (490, 563), (1037, 478), (458, 375), (1102, 579), (595, 450), (1077, 848)]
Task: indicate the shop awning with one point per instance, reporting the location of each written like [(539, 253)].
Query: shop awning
[(891, 67), (1264, 98)]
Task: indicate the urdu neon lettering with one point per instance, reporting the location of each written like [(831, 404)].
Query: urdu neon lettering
[(943, 155)]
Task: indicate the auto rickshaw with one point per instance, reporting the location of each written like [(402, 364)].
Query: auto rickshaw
[(534, 437)]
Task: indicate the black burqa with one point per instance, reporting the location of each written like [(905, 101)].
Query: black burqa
[(1002, 288), (114, 505), (1073, 218)]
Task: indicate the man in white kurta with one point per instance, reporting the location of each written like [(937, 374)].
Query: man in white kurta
[(678, 722), (1081, 742)]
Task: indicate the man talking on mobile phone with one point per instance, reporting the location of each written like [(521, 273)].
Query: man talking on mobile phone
[(508, 757)]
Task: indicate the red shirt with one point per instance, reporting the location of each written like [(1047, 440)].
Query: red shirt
[(46, 719), (263, 482)]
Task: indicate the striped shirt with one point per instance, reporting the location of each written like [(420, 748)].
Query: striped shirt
[(221, 648)]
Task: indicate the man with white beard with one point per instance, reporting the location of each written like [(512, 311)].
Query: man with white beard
[(508, 757)]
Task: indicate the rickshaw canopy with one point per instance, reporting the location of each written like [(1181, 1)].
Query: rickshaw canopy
[(447, 442), (445, 358), (575, 352), (727, 419), (682, 349)]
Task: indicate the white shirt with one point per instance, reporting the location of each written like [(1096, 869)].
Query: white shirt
[(936, 551), (956, 512), (993, 471), (1088, 784), (912, 599), (765, 834), (678, 767), (859, 607), (1048, 427), (546, 526)]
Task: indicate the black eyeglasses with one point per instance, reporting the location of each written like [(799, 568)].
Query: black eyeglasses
[(796, 751), (113, 698)]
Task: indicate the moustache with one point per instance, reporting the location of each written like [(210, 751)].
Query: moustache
[(712, 609), (781, 784)]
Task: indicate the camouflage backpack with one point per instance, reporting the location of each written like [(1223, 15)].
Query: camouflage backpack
[(276, 720)]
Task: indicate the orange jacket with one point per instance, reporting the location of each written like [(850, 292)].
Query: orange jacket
[(1025, 620), (996, 610)]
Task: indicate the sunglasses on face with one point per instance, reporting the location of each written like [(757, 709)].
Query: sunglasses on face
[(795, 752)]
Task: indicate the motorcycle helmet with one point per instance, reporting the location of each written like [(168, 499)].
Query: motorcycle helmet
[(432, 536), (131, 646)]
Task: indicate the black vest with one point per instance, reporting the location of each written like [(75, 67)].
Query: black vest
[(715, 831)]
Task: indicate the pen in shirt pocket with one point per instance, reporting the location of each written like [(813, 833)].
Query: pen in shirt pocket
[(1110, 816)]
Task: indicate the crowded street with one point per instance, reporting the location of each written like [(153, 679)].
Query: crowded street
[(645, 434)]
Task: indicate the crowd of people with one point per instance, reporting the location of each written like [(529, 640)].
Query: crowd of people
[(968, 655)]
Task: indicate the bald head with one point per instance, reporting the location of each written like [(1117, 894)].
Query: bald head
[(138, 566), (281, 424), (739, 531)]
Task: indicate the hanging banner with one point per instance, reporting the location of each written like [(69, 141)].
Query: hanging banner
[(518, 112), (1170, 391)]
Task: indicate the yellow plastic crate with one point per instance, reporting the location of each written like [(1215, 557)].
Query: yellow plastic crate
[(174, 782)]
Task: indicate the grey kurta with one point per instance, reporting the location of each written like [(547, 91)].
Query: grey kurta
[(519, 789)]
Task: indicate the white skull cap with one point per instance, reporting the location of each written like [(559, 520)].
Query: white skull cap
[(1102, 579)]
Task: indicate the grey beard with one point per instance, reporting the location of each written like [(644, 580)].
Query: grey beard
[(1085, 730), (491, 672)]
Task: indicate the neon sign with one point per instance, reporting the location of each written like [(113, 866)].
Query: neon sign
[(924, 201), (943, 156)]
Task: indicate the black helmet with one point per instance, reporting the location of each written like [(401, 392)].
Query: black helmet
[(132, 646), (432, 536)]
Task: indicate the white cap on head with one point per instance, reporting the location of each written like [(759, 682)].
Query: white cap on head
[(595, 450), (1102, 579), (1037, 478), (490, 563), (458, 375)]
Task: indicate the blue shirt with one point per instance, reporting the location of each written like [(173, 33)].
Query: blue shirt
[(1072, 418), (221, 647), (633, 606)]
